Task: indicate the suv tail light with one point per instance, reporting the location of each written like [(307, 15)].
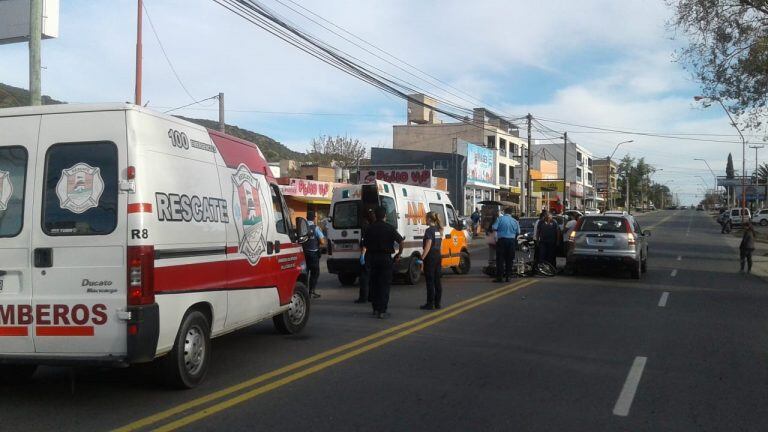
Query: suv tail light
[(572, 235), (630, 235), (141, 284)]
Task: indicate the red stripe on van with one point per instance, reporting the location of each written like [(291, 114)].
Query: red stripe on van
[(235, 151), (14, 331), (139, 208), (233, 249), (64, 331)]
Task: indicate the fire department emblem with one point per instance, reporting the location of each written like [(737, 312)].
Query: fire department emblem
[(80, 188), (246, 200), (6, 189)]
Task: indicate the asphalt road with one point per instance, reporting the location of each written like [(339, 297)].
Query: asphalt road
[(683, 349)]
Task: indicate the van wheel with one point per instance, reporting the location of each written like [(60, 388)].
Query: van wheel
[(16, 374), (347, 279), (295, 318), (414, 272), (464, 264), (187, 364)]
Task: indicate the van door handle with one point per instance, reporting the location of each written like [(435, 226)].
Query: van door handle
[(3, 273), (270, 247), (277, 246), (43, 257)]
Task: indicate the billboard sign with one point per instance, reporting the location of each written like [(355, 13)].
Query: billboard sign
[(481, 166), (415, 177), (547, 185), (753, 192), (14, 20), (308, 189)]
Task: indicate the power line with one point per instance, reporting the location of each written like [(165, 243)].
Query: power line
[(190, 104), (165, 54)]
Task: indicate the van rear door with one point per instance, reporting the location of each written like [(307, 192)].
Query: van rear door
[(18, 140), (79, 235)]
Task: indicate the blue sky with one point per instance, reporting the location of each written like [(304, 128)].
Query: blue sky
[(603, 63)]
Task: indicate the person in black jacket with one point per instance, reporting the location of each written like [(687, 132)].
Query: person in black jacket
[(548, 237), (746, 247), (432, 261), (365, 268), (380, 238)]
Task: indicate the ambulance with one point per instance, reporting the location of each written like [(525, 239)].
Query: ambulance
[(128, 236), (407, 207)]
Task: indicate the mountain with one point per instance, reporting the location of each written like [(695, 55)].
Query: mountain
[(273, 150)]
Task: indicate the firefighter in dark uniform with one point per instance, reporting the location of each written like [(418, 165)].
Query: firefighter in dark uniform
[(380, 238), (312, 253), (365, 268)]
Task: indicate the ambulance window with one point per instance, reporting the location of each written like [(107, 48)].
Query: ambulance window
[(346, 215), (389, 204), (13, 175), (438, 208), (80, 190), (277, 206), (451, 216)]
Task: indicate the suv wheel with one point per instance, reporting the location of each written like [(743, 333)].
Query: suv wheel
[(763, 222)]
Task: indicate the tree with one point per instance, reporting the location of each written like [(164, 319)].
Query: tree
[(762, 173), (341, 151), (729, 171), (727, 51)]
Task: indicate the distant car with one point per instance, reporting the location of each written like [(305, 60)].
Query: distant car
[(610, 242), (683, 208), (699, 207), (591, 211), (761, 217), (672, 207)]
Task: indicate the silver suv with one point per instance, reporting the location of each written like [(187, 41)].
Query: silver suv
[(608, 241)]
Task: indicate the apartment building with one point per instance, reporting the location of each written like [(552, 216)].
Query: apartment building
[(579, 173), (605, 178)]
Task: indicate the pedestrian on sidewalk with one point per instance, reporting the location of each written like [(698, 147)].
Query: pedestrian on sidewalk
[(746, 247), (507, 230), (380, 239), (476, 222), (432, 261), (312, 253), (364, 295), (548, 237)]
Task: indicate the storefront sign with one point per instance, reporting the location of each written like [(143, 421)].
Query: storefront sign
[(577, 190), (481, 166), (415, 177), (547, 185), (308, 189)]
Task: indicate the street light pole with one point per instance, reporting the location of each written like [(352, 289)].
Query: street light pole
[(743, 153)]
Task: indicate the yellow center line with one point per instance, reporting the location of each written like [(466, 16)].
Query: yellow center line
[(155, 418), (224, 405)]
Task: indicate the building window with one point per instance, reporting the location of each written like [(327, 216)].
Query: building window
[(578, 156), (502, 173), (503, 146), (589, 163), (440, 164), (511, 172), (578, 173), (310, 177), (589, 178), (513, 150), (491, 141)]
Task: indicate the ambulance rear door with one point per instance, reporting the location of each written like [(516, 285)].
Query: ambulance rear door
[(18, 141), (79, 235)]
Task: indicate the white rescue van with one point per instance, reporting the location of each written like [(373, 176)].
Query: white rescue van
[(128, 235), (407, 208)]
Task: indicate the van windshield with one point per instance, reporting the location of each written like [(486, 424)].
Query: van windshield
[(13, 173), (346, 214)]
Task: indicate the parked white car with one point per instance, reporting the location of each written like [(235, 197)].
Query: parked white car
[(760, 217), (591, 211)]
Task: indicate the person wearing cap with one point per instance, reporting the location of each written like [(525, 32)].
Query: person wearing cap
[(312, 253)]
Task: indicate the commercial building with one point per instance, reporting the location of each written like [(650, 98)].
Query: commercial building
[(579, 175), (490, 144), (605, 180)]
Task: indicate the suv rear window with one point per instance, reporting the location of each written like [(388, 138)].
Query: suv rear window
[(346, 215), (603, 224), (80, 191), (13, 176)]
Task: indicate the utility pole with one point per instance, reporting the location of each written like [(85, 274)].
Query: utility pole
[(626, 204), (35, 34), (137, 99), (222, 125), (565, 167), (528, 205)]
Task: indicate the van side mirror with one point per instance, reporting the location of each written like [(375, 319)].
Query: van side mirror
[(302, 230), (647, 233)]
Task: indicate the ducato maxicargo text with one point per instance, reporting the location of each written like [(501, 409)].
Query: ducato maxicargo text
[(128, 236)]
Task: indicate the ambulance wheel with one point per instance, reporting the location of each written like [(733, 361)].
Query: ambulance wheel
[(295, 318), (347, 279), (464, 264), (187, 364), (413, 274), (16, 374)]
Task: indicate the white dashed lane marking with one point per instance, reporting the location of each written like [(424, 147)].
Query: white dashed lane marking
[(663, 299), (674, 273), (627, 395), (679, 258)]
